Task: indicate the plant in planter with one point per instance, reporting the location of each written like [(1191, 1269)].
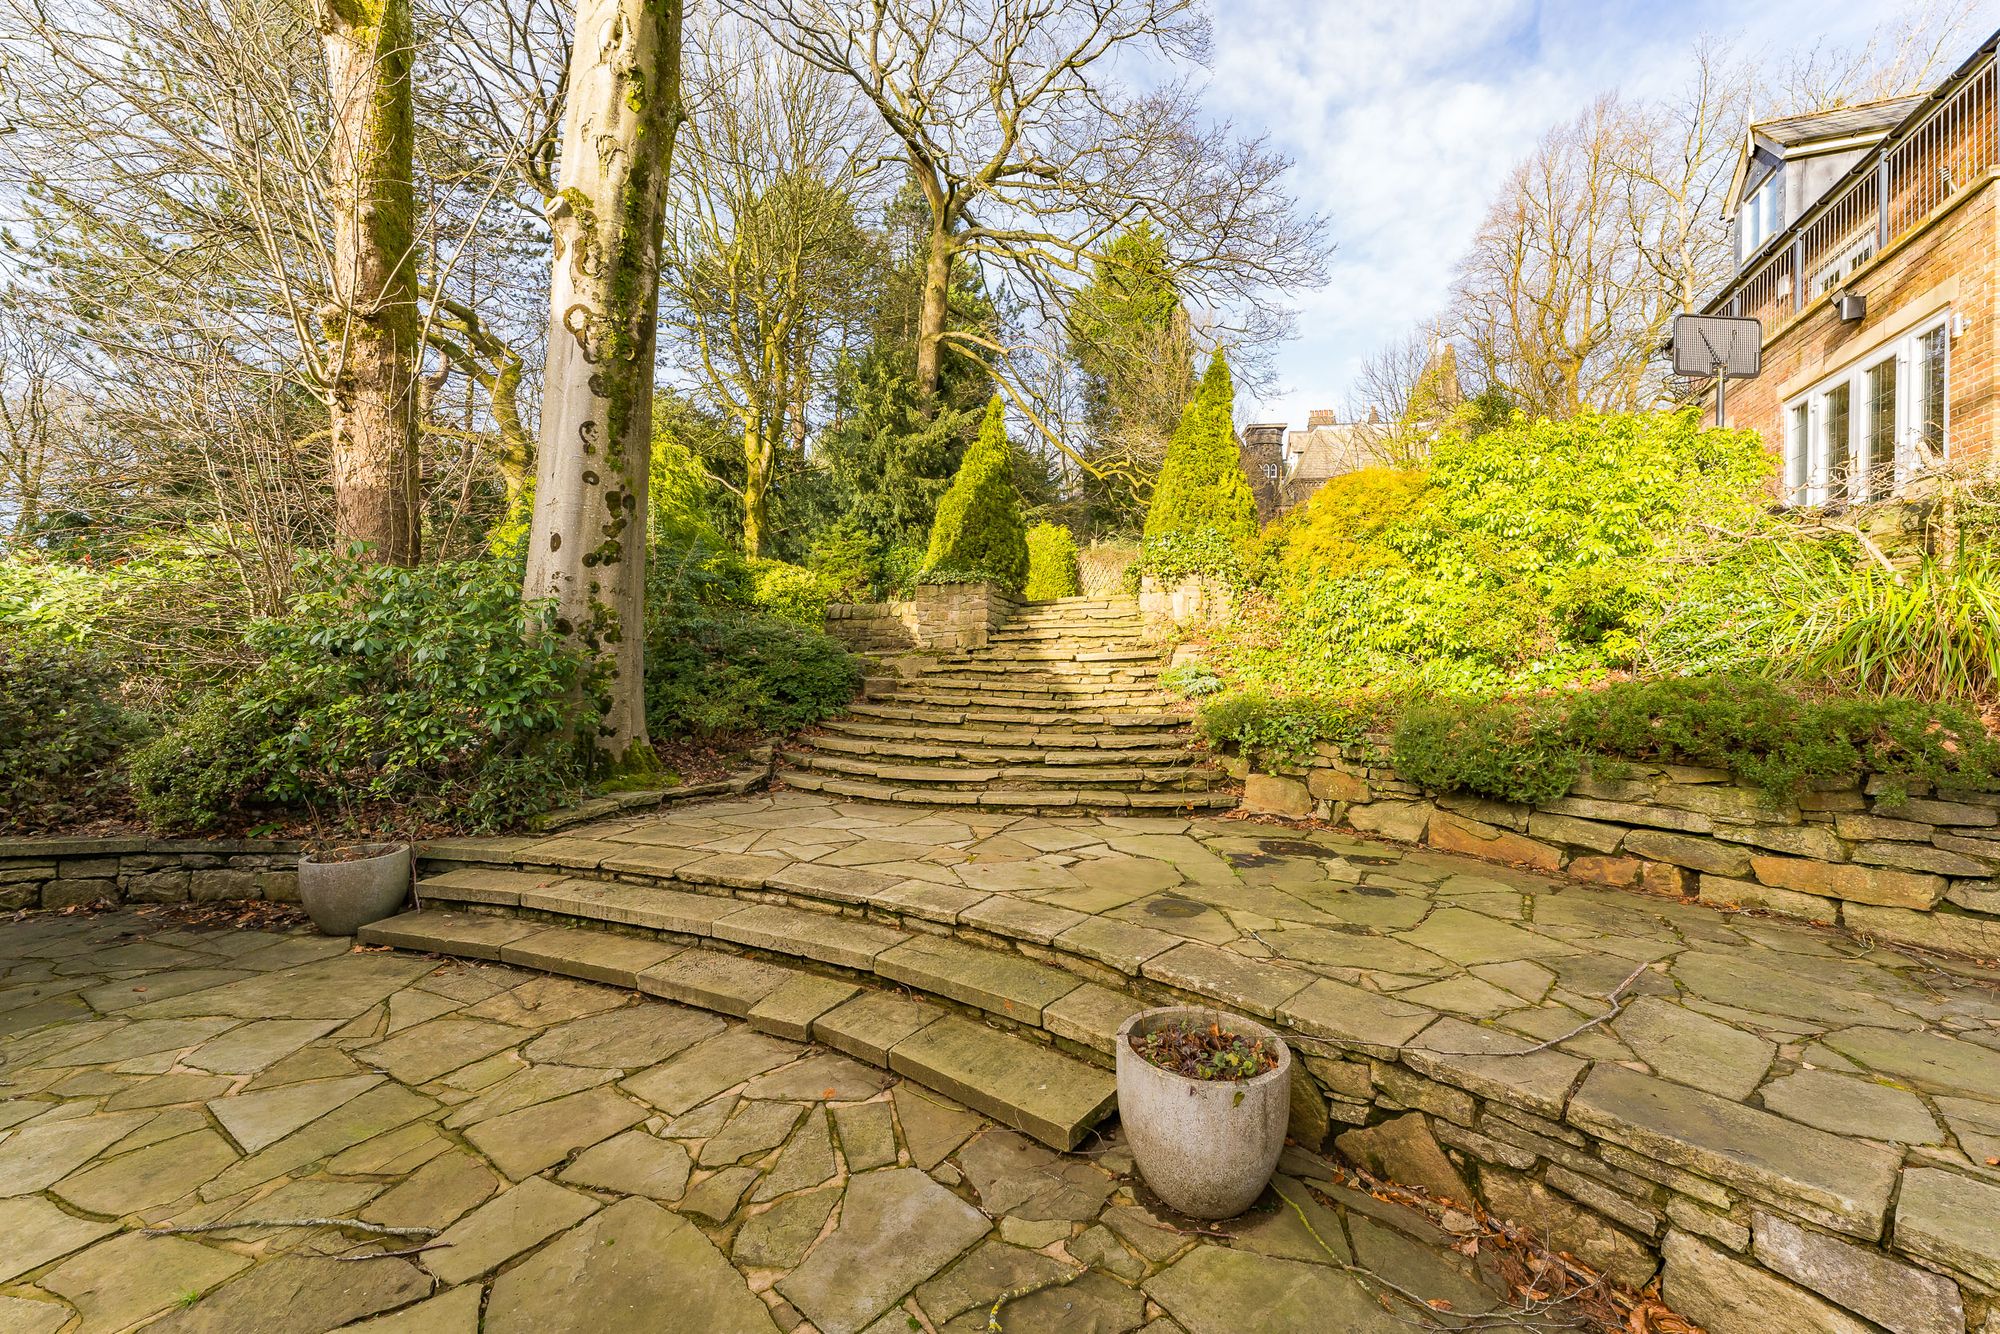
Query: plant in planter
[(345, 888), (1204, 1098)]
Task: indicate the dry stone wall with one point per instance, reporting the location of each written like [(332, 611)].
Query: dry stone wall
[(936, 618), (68, 872), (1916, 867)]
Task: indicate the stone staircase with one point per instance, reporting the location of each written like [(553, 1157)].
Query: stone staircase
[(1061, 710)]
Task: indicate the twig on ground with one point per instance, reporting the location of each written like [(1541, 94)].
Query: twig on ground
[(1617, 1001), (353, 1224), (1026, 1290), (386, 1255)]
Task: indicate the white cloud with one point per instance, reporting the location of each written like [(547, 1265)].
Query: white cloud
[(1404, 115)]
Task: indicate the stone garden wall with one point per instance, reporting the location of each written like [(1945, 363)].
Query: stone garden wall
[(65, 872), (936, 618), (1916, 868)]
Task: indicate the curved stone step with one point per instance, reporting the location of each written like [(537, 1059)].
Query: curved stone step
[(1105, 772), (977, 753), (1066, 799), (1018, 1080), (1060, 738), (1149, 719)]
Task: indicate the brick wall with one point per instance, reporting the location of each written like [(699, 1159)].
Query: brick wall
[(1951, 262)]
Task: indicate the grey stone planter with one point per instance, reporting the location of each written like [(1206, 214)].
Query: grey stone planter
[(1207, 1147), (341, 897)]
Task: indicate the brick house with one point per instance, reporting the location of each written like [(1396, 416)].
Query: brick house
[(1868, 244)]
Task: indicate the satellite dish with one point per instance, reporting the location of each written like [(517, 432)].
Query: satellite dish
[(1718, 345), (1722, 346)]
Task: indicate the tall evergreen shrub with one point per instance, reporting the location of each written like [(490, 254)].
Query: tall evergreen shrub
[(1202, 495), (978, 532), (1052, 571)]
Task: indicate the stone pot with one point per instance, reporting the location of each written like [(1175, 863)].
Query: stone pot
[(1207, 1147), (368, 882)]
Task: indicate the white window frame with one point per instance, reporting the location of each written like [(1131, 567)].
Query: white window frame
[(1759, 221), (1807, 482)]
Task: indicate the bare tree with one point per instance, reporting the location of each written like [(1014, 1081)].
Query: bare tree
[(1909, 50), (765, 262), (1555, 298), (1031, 154), (587, 543)]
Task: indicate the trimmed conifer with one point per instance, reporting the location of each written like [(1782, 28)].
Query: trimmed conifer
[(1202, 492), (978, 531), (1052, 571)]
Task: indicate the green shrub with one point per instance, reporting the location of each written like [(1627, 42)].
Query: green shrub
[(1337, 531), (422, 688), (62, 727), (1202, 489), (714, 673), (205, 770), (1781, 742), (790, 592), (1284, 728), (1536, 554), (977, 533), (1931, 630), (1492, 748), (849, 559), (1052, 571)]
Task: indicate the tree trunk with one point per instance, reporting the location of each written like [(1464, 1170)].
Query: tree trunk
[(756, 486), (372, 327), (931, 315), (587, 543)]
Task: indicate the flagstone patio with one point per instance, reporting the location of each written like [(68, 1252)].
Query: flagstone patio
[(568, 1156), (1778, 1110)]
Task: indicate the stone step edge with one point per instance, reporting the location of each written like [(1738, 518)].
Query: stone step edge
[(955, 772), (932, 1044), (1063, 799)]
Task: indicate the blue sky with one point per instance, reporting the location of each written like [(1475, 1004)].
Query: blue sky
[(1404, 115)]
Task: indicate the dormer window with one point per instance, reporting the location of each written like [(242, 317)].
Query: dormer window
[(1761, 215)]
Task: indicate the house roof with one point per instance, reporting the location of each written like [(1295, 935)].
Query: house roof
[(1871, 118), (1328, 451)]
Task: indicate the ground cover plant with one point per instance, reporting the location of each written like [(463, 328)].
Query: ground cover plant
[(1205, 1051)]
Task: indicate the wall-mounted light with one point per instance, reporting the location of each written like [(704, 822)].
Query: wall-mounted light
[(1850, 306)]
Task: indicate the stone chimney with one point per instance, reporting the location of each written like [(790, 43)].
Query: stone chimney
[(1321, 417)]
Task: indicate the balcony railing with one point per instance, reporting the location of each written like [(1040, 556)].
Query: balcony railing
[(1890, 193)]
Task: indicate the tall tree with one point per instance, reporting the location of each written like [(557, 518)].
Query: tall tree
[(587, 543), (1130, 336), (765, 263), (371, 324), (1031, 154), (1554, 297)]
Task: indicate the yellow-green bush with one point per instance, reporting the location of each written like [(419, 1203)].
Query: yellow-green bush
[(1337, 531), (1052, 571)]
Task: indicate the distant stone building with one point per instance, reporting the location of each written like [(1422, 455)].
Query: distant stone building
[(1261, 448), (1326, 448)]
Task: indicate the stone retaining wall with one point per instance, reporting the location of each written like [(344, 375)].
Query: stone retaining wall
[(66, 872), (1918, 868), (936, 618)]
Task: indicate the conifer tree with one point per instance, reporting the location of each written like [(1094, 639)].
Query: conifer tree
[(1202, 492), (978, 528)]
